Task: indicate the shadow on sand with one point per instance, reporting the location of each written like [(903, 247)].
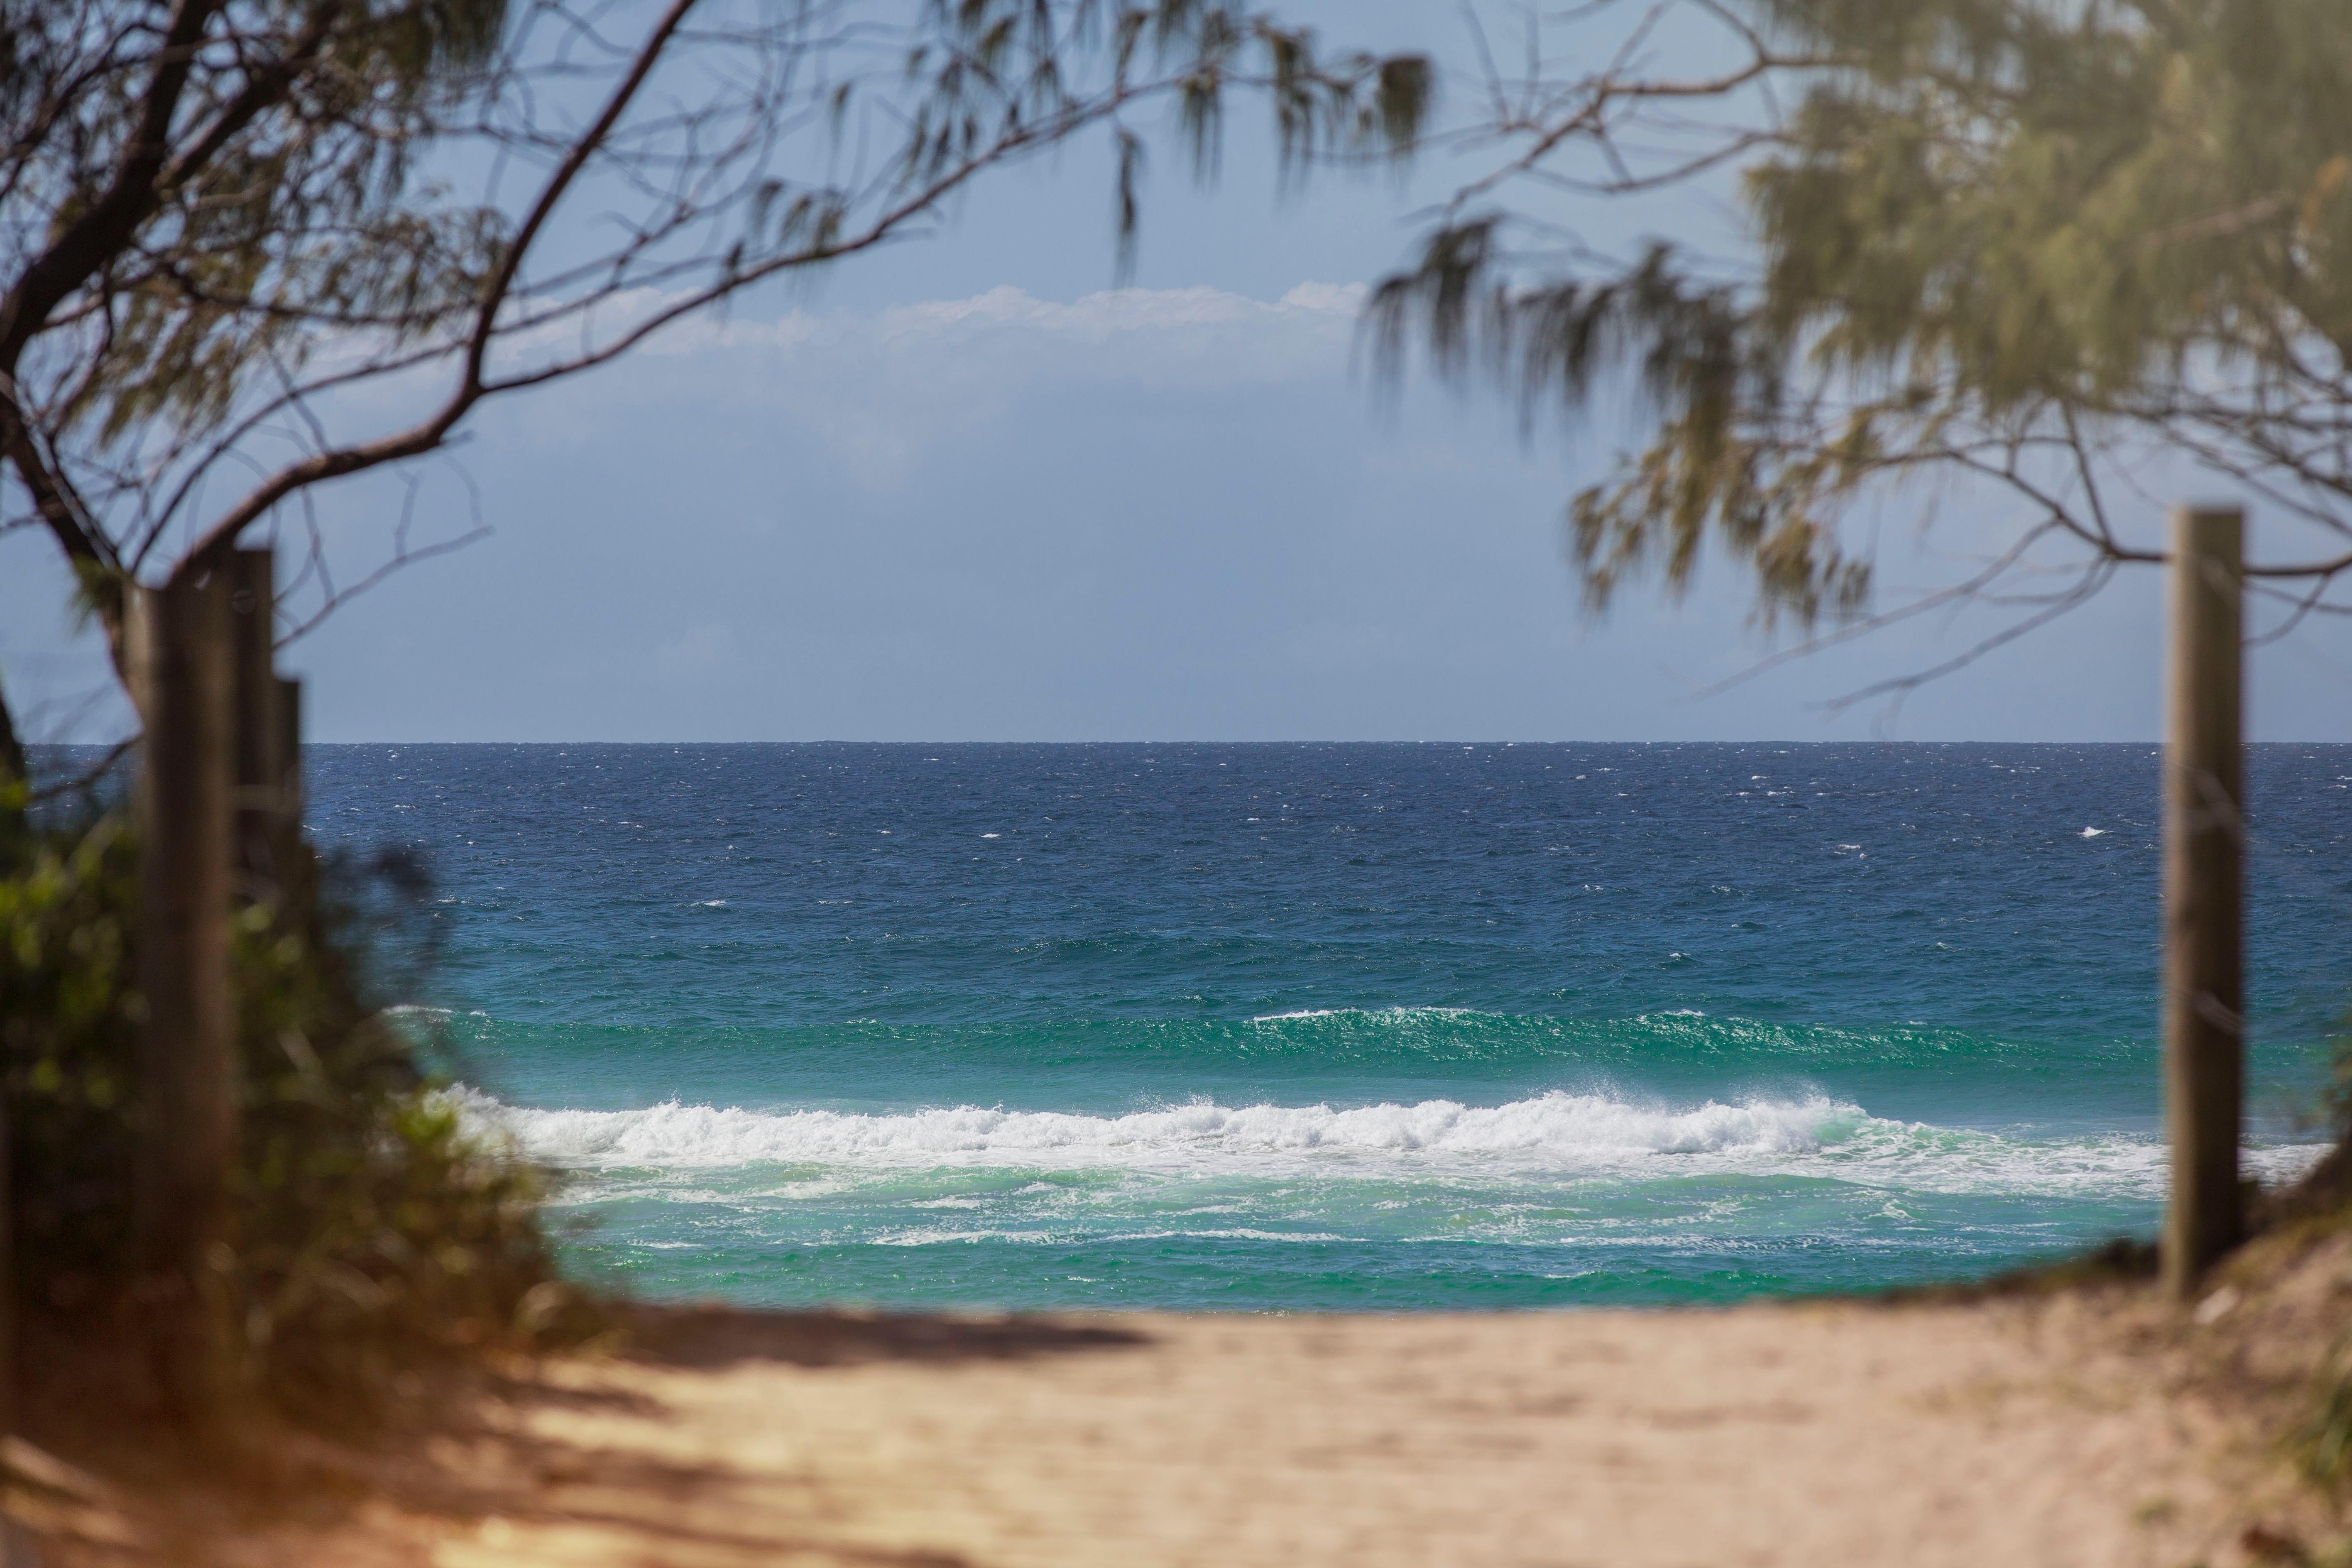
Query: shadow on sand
[(711, 1337), (462, 1464)]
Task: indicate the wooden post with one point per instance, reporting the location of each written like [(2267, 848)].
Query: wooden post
[(290, 752), (298, 869), (9, 1556), (2204, 852), (183, 667), (259, 774)]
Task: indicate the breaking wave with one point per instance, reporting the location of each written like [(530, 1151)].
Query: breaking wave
[(1562, 1134)]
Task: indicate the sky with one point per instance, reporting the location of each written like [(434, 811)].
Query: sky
[(965, 490)]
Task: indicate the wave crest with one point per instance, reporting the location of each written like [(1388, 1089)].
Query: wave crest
[(1556, 1128)]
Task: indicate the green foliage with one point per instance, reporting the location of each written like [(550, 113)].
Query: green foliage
[(2323, 1442), (370, 1233), (1694, 359), (2016, 202), (68, 1023), (2337, 1099), (991, 71), (303, 217), (2023, 240)]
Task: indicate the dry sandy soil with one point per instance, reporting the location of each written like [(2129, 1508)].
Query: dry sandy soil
[(2084, 1429)]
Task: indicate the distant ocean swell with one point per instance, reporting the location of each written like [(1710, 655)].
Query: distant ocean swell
[(1324, 1037)]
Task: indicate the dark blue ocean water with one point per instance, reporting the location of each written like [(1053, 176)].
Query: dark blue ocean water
[(1322, 1027)]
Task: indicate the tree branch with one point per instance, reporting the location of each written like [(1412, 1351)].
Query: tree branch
[(109, 222), (424, 436)]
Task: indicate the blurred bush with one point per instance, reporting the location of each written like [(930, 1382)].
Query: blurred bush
[(371, 1233)]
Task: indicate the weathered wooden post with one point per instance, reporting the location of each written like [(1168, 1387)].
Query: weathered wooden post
[(297, 871), (289, 751), (290, 756), (9, 1557), (183, 667), (260, 781), (2204, 854)]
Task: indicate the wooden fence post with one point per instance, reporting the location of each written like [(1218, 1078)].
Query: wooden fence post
[(298, 868), (183, 666), (259, 774), (290, 752), (2204, 853)]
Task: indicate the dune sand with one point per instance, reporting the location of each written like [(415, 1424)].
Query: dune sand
[(2085, 1428)]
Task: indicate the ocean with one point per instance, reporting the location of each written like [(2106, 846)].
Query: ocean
[(1346, 1026)]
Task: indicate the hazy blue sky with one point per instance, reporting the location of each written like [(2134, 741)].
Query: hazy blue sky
[(962, 491)]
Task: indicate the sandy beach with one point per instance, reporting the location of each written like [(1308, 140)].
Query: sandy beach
[(2082, 1428)]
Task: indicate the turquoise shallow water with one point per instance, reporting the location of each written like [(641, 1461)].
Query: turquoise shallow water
[(1333, 1026)]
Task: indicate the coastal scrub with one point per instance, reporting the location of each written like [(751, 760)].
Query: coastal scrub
[(370, 1234)]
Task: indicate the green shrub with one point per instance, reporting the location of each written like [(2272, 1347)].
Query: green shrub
[(370, 1233), (2325, 1442)]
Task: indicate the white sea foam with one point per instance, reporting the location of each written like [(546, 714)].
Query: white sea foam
[(2094, 833), (1571, 1136), (1386, 1015), (1568, 1126)]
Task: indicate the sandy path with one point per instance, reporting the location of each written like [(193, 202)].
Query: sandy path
[(2080, 1429), (2004, 1433)]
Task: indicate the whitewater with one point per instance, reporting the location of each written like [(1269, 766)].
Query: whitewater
[(1557, 1133)]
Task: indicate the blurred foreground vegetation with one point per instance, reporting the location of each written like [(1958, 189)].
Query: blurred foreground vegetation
[(371, 1234)]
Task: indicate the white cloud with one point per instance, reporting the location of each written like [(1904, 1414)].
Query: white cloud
[(1306, 331), (884, 391), (1098, 318)]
